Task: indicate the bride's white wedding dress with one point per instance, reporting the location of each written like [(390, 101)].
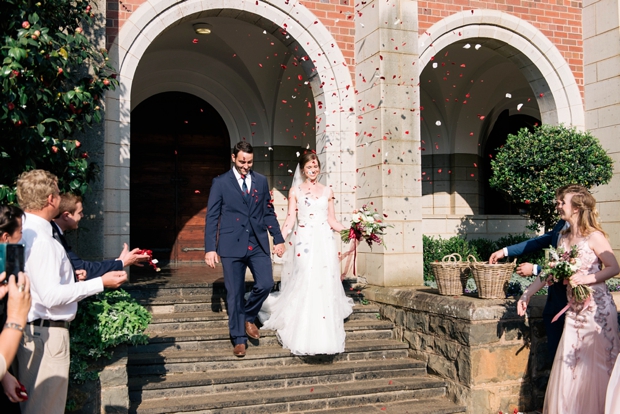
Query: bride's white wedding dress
[(309, 310)]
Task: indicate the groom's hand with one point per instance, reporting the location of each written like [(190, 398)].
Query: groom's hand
[(278, 249), (211, 259)]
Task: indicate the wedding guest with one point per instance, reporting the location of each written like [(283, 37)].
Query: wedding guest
[(71, 211), (18, 291), (589, 345), (556, 296), (309, 311), (15, 308), (55, 294)]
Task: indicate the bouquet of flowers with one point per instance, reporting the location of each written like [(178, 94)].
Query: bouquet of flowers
[(367, 226), (560, 266)]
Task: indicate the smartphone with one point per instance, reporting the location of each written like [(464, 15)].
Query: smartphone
[(11, 259)]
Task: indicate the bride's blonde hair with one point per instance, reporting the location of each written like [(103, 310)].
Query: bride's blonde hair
[(588, 215)]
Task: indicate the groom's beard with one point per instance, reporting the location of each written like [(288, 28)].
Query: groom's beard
[(249, 171)]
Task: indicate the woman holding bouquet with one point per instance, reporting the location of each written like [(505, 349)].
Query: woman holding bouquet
[(309, 311), (589, 345)]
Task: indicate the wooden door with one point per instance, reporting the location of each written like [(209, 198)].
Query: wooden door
[(179, 143)]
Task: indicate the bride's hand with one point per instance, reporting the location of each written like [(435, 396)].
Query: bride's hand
[(278, 249)]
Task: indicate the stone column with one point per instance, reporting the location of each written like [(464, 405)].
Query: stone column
[(601, 45), (388, 138)]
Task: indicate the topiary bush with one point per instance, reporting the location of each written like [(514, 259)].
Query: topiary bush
[(532, 165)]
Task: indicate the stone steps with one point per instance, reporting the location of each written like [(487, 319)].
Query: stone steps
[(188, 365), (261, 356), (306, 397), (278, 377), (219, 337)]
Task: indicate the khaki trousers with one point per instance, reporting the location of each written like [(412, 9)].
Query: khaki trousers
[(43, 367)]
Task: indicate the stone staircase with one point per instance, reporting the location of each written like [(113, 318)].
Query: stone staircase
[(188, 365)]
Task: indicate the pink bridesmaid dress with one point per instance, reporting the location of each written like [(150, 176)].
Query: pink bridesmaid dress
[(587, 351)]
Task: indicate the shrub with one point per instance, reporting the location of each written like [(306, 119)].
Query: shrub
[(103, 322), (434, 249), (532, 165), (52, 84)]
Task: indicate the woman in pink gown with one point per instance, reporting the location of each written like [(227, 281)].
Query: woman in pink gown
[(589, 345)]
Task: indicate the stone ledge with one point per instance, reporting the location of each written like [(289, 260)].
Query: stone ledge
[(466, 307)]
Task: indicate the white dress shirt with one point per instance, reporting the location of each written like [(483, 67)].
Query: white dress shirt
[(54, 292), (248, 179)]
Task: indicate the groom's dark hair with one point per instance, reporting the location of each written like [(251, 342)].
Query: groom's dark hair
[(243, 146)]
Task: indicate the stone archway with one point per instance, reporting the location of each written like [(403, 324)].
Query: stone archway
[(326, 73), (538, 59)]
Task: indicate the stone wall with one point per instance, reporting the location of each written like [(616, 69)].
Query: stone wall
[(109, 393), (491, 358)]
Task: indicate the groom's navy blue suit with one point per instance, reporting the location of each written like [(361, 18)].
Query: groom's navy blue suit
[(236, 229), (556, 299)]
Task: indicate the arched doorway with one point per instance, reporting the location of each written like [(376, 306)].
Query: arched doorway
[(178, 144), (494, 201)]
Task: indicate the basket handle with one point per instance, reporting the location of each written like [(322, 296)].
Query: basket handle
[(449, 258), (472, 257)]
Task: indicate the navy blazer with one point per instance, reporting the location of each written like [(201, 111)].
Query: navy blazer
[(538, 243), (556, 298), (230, 215), (93, 269)]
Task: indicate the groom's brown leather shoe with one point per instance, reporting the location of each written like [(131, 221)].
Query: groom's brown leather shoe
[(239, 350), (251, 330)]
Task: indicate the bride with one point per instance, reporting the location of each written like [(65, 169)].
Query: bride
[(309, 310)]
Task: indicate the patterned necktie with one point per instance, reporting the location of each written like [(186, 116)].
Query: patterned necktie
[(244, 187)]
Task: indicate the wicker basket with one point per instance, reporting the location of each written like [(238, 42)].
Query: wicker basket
[(451, 275), (491, 279)]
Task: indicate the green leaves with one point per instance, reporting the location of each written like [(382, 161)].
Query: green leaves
[(52, 84), (533, 164), (103, 322)]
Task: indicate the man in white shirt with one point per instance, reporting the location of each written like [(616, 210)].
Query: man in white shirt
[(43, 356)]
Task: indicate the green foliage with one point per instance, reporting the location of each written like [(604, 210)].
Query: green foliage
[(434, 249), (103, 322), (52, 83), (532, 165)]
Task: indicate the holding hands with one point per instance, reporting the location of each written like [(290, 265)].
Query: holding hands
[(279, 249)]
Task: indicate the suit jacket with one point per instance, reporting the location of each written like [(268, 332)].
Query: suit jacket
[(93, 269), (541, 242), (231, 215), (556, 298)]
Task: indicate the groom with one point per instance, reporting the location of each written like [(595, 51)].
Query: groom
[(239, 214)]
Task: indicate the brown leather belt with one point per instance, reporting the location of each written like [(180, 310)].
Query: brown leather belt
[(50, 324)]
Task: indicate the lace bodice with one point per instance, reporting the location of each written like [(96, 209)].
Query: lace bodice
[(310, 209)]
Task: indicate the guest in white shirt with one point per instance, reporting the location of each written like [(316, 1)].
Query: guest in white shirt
[(43, 356)]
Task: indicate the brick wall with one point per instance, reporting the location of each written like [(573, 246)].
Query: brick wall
[(336, 15), (558, 20)]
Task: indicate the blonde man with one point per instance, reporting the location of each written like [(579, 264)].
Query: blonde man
[(43, 356)]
